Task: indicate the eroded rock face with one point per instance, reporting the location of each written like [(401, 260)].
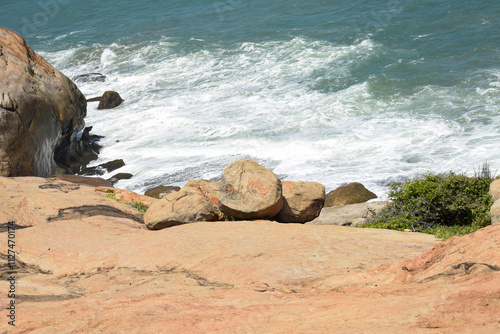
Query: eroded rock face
[(41, 111), (179, 208), (250, 191), (350, 194), (302, 201), (33, 201), (209, 189)]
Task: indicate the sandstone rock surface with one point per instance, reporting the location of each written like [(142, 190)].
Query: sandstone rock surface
[(250, 191), (349, 194), (32, 201), (98, 273), (41, 112), (302, 201), (181, 207), (209, 189)]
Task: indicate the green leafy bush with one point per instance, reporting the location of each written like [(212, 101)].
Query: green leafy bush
[(442, 204)]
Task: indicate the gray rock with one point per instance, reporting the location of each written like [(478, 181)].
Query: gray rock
[(349, 214)]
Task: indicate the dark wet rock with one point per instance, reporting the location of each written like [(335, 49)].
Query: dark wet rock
[(113, 165), (90, 77), (109, 100), (350, 194), (161, 191), (103, 168), (94, 99), (120, 176), (86, 150)]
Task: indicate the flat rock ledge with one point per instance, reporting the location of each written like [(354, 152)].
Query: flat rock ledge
[(105, 272)]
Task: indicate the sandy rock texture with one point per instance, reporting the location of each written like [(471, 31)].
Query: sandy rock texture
[(108, 274), (302, 201), (250, 191)]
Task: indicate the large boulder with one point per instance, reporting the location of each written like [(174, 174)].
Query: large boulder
[(350, 194), (302, 201), (178, 208), (41, 111), (249, 191)]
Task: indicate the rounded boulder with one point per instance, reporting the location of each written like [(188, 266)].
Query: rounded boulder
[(250, 191), (178, 208), (350, 194), (302, 201), (109, 100)]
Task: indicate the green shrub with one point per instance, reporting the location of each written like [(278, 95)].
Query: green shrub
[(436, 202)]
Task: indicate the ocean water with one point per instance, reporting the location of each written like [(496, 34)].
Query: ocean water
[(366, 91)]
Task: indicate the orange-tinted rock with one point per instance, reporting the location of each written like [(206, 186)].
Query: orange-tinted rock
[(178, 208), (104, 274), (350, 194), (302, 201), (84, 180), (209, 189), (126, 195), (32, 201), (250, 191), (41, 111)]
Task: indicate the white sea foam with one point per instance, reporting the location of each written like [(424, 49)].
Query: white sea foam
[(292, 105)]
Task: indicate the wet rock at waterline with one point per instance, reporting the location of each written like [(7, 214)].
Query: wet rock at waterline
[(109, 100), (90, 77), (103, 168), (349, 194)]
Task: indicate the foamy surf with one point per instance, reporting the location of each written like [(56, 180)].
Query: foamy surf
[(297, 106)]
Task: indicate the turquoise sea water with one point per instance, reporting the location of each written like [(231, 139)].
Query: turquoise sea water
[(330, 91)]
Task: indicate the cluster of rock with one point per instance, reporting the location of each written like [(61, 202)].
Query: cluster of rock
[(247, 191)]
